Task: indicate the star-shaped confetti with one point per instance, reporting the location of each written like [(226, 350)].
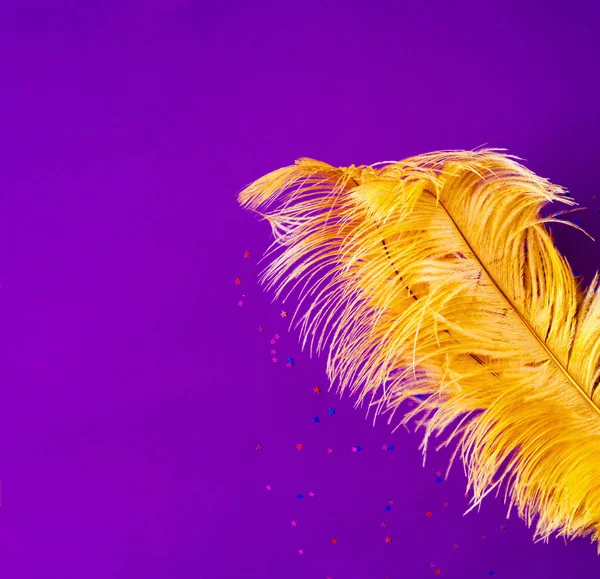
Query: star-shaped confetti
[(289, 365), (483, 537), (428, 514), (283, 314), (438, 479), (274, 360), (240, 303), (276, 336), (437, 571), (503, 527), (273, 351), (238, 281), (300, 495), (316, 420), (331, 411), (294, 523), (259, 446), (382, 525), (445, 504), (356, 449), (334, 540), (455, 546), (290, 360), (311, 494), (272, 340), (438, 473), (301, 551), (329, 450), (388, 507), (390, 447), (299, 446), (491, 572), (316, 390), (268, 487), (246, 254), (388, 539), (261, 329)]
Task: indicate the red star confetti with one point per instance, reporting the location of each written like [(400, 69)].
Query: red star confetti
[(334, 540), (428, 514), (283, 314), (238, 281), (437, 571), (316, 390), (299, 446), (388, 539), (246, 254)]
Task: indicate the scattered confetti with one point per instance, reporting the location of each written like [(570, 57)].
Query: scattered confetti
[(273, 351), (277, 336), (274, 360), (300, 496), (261, 329), (331, 411), (445, 504), (283, 314), (299, 446), (437, 571), (289, 365), (388, 507), (356, 449), (316, 420), (388, 539), (428, 514), (503, 527), (240, 303), (268, 487), (290, 360), (246, 254), (438, 479), (311, 494), (455, 545), (382, 525), (259, 446), (238, 281), (483, 537), (334, 540), (329, 450), (438, 473), (272, 340), (294, 523), (301, 551), (491, 572), (316, 390)]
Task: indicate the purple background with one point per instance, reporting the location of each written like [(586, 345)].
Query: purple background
[(134, 388)]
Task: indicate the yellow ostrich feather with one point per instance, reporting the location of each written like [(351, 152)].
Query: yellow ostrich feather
[(436, 276)]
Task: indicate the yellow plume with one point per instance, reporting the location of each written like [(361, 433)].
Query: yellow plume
[(436, 278)]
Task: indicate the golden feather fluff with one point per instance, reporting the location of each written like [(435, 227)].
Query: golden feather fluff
[(436, 276)]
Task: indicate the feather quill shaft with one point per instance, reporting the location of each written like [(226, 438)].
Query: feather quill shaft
[(482, 320)]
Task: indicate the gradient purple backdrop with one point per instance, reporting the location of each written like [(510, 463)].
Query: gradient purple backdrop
[(134, 389)]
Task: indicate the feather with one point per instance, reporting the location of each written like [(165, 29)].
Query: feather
[(437, 279)]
